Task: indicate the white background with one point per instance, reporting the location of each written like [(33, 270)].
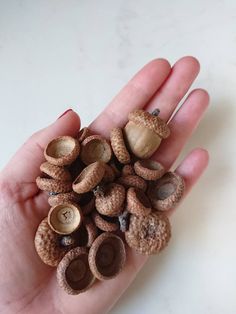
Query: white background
[(59, 54)]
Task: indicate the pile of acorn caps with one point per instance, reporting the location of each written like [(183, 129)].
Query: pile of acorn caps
[(102, 194)]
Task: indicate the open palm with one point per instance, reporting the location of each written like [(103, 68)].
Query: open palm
[(26, 284)]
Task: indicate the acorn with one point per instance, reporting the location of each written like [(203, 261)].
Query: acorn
[(149, 169), (127, 170), (133, 181), (83, 134), (52, 185), (55, 172), (118, 146), (144, 132), (65, 218), (137, 202), (62, 151), (73, 272), (105, 223), (109, 201), (95, 148), (166, 192), (148, 234), (107, 256), (61, 198), (87, 203), (89, 177)]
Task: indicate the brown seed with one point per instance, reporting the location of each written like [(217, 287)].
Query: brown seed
[(105, 223), (95, 148), (133, 181), (107, 256), (137, 202), (83, 134), (70, 197), (89, 177), (87, 233), (65, 218), (149, 169), (110, 201), (73, 273), (118, 146), (87, 203), (166, 192), (62, 151), (55, 172), (127, 170), (148, 234), (109, 175), (52, 185)]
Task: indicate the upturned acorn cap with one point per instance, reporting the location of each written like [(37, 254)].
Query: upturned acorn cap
[(62, 151), (150, 121), (52, 185), (95, 148), (148, 234), (118, 146), (89, 177), (133, 181), (137, 202), (105, 223), (166, 192), (65, 218), (149, 169), (73, 272), (127, 170), (83, 134), (62, 198), (107, 256), (87, 203), (55, 172)]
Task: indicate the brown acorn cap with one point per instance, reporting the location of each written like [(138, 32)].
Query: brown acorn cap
[(110, 201), (95, 148), (109, 175), (114, 167), (89, 177), (107, 256), (70, 197), (166, 192), (52, 185), (149, 169), (148, 234), (62, 151), (65, 218), (105, 223), (87, 203), (127, 170), (73, 273), (133, 181), (86, 234), (150, 121), (118, 146), (83, 134), (137, 202), (55, 172), (47, 244)]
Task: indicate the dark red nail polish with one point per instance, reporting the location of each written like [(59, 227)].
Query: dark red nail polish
[(64, 113)]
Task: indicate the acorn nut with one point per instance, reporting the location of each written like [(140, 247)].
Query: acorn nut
[(118, 146), (105, 223), (149, 169), (137, 202), (133, 181)]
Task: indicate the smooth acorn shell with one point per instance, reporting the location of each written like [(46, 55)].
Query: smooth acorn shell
[(118, 146)]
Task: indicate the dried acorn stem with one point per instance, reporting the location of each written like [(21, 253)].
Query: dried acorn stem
[(99, 190), (124, 221), (67, 241), (156, 112)]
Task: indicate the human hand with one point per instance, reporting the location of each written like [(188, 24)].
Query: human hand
[(26, 284)]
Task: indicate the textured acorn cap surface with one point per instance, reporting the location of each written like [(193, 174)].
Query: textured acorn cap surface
[(105, 223), (95, 148), (149, 169), (86, 233), (55, 172), (65, 218), (118, 146), (47, 244), (166, 192), (83, 134), (152, 122), (73, 272), (52, 185), (107, 256), (110, 201), (137, 202), (127, 170), (62, 151), (89, 177), (62, 198), (133, 181), (148, 234)]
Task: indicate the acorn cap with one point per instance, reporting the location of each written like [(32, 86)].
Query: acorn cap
[(127, 170), (105, 223), (73, 273), (150, 121), (109, 175), (89, 177), (86, 233), (133, 181), (148, 234), (52, 185), (47, 244), (107, 256), (166, 192), (118, 146), (55, 172), (110, 201), (115, 168), (137, 202), (95, 148), (62, 151), (70, 197), (83, 134), (149, 169), (87, 203), (65, 218)]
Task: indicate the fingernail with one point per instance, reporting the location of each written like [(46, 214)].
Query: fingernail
[(64, 113)]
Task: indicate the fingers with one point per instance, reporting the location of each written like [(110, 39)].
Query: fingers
[(176, 86), (135, 94), (182, 126)]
